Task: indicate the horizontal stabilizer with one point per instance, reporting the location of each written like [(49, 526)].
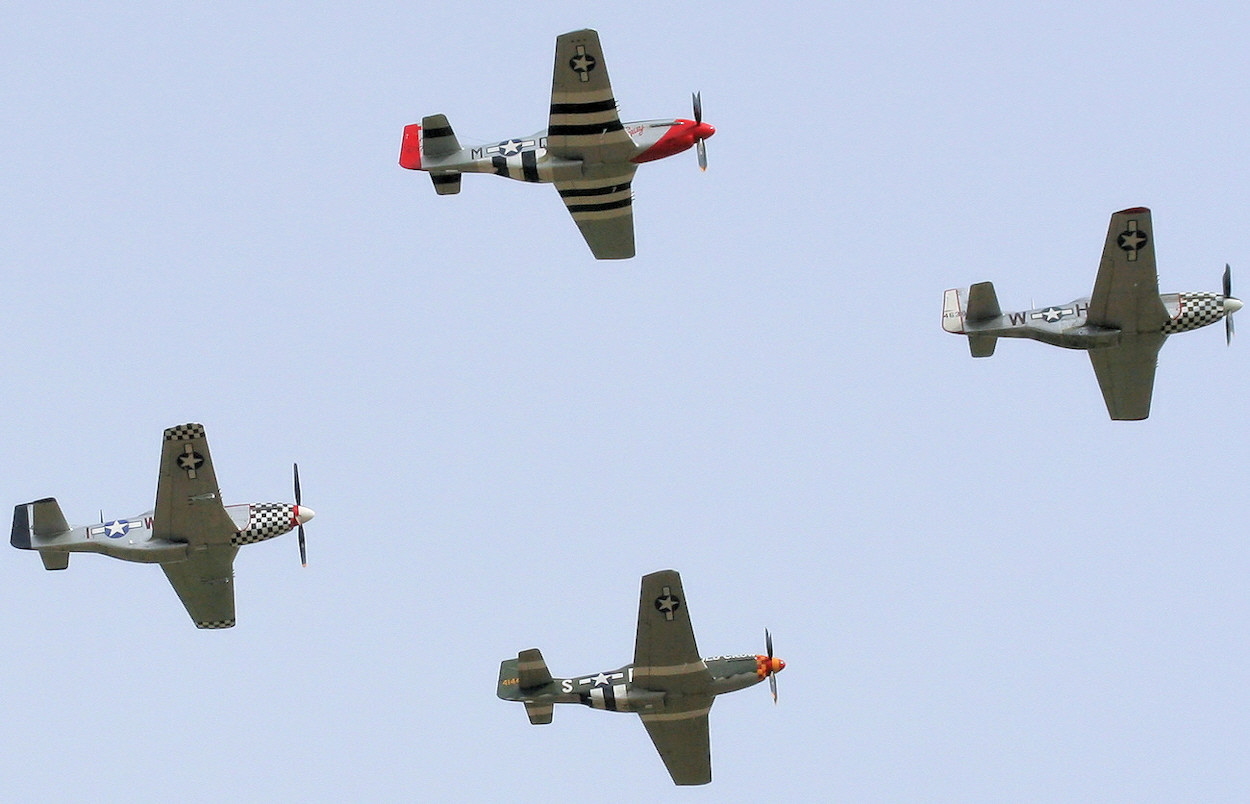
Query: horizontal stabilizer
[(437, 138), (532, 670), (446, 183), (540, 713), (982, 303), (982, 345), (54, 559)]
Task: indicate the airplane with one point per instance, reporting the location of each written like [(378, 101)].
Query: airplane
[(585, 150), (667, 684), (190, 533), (1122, 325)]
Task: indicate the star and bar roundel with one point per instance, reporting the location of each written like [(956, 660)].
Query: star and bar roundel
[(667, 603)]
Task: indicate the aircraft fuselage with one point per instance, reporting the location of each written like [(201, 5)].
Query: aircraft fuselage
[(526, 158), (1065, 324), (615, 690), (132, 539)]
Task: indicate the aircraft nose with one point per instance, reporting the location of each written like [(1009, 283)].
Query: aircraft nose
[(303, 514), (778, 665), (703, 131), (1231, 305)]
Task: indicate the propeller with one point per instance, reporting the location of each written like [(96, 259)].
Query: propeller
[(303, 553), (1228, 308), (697, 101), (773, 666)]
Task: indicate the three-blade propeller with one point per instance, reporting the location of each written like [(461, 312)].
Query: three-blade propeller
[(303, 553), (1229, 309)]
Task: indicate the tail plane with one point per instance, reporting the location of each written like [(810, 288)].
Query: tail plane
[(523, 676), (982, 306), (37, 521), (429, 141)]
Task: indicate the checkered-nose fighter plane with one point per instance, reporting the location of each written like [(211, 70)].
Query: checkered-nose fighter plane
[(585, 151), (1122, 325), (667, 684), (190, 533)]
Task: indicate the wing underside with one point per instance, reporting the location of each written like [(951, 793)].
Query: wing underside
[(584, 124), (666, 657), (1126, 374), (188, 500), (601, 203), (1126, 291), (205, 584), (683, 741)]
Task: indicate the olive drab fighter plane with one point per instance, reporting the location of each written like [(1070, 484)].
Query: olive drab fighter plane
[(190, 533), (668, 685), (585, 150), (1122, 325)]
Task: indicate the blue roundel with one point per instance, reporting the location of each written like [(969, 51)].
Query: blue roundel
[(117, 528)]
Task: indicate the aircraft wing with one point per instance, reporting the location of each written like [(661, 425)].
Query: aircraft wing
[(584, 124), (683, 741), (205, 584), (1126, 291), (602, 206), (665, 655), (1126, 374), (188, 501)]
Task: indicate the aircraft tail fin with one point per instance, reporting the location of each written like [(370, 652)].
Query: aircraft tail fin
[(981, 344), (526, 673), (982, 303), (509, 686), (41, 519), (432, 138), (952, 312), (36, 521)]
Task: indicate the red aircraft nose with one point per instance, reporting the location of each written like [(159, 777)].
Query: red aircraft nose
[(703, 130)]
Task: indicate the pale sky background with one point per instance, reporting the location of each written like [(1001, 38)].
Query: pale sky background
[(985, 590)]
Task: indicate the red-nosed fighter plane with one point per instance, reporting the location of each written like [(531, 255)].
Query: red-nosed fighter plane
[(668, 684), (585, 150)]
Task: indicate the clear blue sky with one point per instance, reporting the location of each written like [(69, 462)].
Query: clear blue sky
[(984, 589)]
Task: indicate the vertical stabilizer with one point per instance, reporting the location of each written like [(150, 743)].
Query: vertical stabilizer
[(952, 313)]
